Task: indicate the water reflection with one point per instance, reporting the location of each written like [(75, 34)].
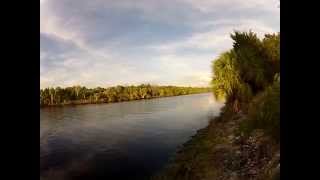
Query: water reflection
[(129, 140)]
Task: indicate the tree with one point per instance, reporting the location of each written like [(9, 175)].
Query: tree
[(83, 95), (227, 82), (247, 69)]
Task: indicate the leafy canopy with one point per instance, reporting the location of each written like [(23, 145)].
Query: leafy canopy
[(247, 69)]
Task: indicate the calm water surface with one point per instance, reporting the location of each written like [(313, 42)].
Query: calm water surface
[(127, 140)]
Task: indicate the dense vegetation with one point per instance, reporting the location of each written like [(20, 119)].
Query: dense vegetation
[(264, 113), (248, 78), (247, 69), (83, 95), (244, 141)]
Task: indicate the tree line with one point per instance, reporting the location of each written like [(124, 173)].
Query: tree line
[(83, 95)]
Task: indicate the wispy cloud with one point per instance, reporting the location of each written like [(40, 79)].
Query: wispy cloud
[(104, 42)]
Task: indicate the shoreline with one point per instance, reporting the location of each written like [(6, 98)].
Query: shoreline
[(218, 151), (92, 103)]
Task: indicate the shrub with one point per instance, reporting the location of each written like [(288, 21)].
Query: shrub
[(264, 113)]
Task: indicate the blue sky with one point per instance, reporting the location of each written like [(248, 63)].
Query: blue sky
[(107, 42)]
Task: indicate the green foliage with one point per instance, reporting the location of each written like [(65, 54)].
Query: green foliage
[(247, 69), (264, 112), (226, 78), (271, 52), (227, 82), (248, 78), (83, 95), (251, 60)]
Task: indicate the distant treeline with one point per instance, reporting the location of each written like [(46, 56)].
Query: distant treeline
[(83, 95)]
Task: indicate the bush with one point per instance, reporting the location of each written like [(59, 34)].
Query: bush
[(247, 69), (264, 113)]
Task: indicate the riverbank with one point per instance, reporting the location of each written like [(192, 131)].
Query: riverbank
[(78, 95), (220, 152), (74, 103), (244, 141)]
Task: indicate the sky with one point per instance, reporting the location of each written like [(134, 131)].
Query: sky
[(128, 42)]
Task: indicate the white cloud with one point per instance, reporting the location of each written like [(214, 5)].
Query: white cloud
[(104, 42), (218, 37), (211, 5)]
